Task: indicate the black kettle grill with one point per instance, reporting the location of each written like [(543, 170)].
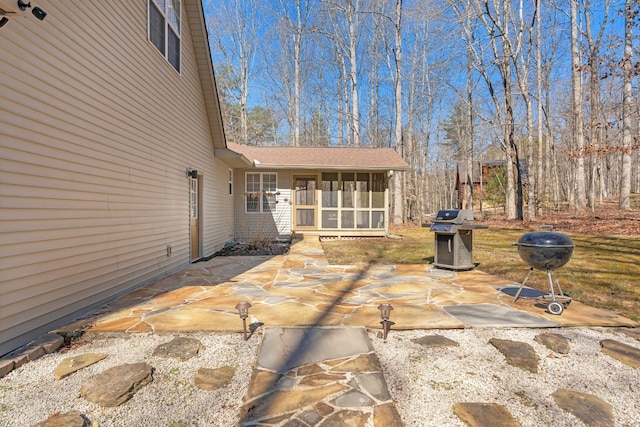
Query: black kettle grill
[(546, 250)]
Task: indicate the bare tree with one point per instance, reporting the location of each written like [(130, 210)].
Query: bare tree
[(235, 29), (423, 94), (540, 119), (495, 17), (342, 29), (296, 19), (321, 56), (627, 107), (398, 195), (518, 51), (352, 18), (597, 122), (579, 203)]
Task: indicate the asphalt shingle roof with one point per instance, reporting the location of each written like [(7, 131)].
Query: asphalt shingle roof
[(286, 157)]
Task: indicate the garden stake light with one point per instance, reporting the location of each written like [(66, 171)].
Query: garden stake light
[(243, 311), (385, 311)]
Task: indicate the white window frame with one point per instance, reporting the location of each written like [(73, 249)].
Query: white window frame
[(168, 9), (230, 182), (193, 198), (267, 197)]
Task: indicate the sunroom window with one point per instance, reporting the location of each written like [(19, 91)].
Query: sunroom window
[(352, 200), (164, 29), (260, 192)]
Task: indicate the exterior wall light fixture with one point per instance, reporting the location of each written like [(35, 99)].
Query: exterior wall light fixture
[(36, 11)]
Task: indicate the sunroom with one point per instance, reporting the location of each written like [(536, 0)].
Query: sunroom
[(337, 191)]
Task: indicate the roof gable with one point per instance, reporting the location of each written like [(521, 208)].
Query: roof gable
[(200, 39)]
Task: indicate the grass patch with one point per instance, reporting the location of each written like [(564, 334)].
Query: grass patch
[(603, 272), (412, 248)]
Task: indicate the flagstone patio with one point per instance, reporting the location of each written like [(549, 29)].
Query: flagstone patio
[(302, 289)]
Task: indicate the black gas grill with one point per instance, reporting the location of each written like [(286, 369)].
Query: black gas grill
[(453, 230)]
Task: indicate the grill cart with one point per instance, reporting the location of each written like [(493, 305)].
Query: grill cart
[(453, 231)]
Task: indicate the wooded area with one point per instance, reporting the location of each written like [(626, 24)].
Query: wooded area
[(550, 88)]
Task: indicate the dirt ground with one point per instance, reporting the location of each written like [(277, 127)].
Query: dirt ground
[(605, 219)]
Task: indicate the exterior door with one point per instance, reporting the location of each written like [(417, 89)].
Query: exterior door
[(304, 203), (194, 218)]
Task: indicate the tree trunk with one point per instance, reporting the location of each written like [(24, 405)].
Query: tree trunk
[(469, 134), (541, 186), (578, 120), (627, 109), (297, 46), (398, 196), (353, 72)]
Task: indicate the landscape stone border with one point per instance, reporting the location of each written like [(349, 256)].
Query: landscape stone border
[(35, 349)]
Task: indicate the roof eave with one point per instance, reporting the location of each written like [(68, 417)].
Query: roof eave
[(233, 158), (196, 18), (259, 165)]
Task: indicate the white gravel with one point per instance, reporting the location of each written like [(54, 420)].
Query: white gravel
[(30, 394), (424, 382), (427, 382)]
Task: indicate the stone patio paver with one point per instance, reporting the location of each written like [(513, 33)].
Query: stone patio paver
[(494, 315)]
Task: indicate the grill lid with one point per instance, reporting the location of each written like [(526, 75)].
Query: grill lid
[(454, 216), (545, 239), (545, 250)]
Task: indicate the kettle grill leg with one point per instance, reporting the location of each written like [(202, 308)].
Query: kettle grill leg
[(515, 298), (553, 294), (560, 293)]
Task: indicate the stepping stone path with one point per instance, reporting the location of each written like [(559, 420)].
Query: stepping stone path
[(72, 364), (435, 341), (633, 333), (116, 385), (67, 419), (213, 379), (484, 414), (553, 342), (518, 354), (180, 348), (624, 353), (588, 408)]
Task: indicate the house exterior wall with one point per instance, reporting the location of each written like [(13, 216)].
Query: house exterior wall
[(263, 225), (97, 132), (251, 225)]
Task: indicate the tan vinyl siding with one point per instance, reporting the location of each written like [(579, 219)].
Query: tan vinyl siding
[(258, 225), (218, 211), (97, 132)]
